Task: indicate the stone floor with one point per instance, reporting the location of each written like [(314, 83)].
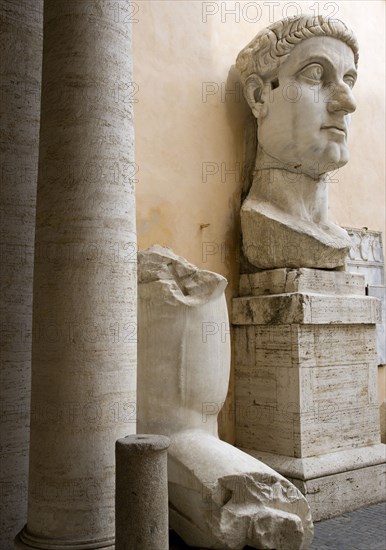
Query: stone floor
[(364, 529)]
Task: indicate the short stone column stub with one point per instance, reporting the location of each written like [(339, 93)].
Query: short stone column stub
[(141, 501)]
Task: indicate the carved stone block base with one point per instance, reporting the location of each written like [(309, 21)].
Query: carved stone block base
[(306, 383), (334, 483)]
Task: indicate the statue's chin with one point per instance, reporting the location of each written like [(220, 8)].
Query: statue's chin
[(336, 156), (333, 159)]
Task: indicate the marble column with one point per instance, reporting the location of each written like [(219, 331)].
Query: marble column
[(84, 311), (20, 70)]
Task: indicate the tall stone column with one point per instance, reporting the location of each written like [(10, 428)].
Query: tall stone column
[(20, 72), (84, 312)]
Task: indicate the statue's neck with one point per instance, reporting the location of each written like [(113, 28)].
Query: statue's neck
[(294, 193)]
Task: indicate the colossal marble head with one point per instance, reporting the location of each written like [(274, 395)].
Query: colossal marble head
[(298, 76)]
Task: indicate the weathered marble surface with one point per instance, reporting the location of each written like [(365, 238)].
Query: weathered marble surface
[(223, 498), (326, 464), (302, 109), (305, 390), (337, 482), (306, 383), (305, 308), (279, 281), (366, 257), (220, 497)]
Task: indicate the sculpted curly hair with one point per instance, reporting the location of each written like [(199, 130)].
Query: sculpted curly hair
[(267, 50)]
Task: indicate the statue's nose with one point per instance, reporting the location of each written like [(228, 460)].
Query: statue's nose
[(342, 99)]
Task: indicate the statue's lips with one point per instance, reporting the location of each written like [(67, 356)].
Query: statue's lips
[(341, 130)]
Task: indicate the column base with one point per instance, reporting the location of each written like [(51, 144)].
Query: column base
[(26, 541), (334, 483)]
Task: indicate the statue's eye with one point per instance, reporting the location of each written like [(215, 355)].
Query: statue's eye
[(313, 72), (349, 80)]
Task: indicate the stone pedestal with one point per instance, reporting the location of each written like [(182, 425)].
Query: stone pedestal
[(306, 384)]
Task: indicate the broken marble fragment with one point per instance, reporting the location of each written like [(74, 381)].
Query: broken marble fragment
[(219, 497)]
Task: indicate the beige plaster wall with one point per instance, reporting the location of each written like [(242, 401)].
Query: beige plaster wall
[(189, 130), (357, 199)]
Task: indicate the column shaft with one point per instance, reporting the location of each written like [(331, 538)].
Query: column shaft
[(84, 315), (20, 73)]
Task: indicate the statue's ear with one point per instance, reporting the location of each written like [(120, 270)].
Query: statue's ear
[(253, 92)]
